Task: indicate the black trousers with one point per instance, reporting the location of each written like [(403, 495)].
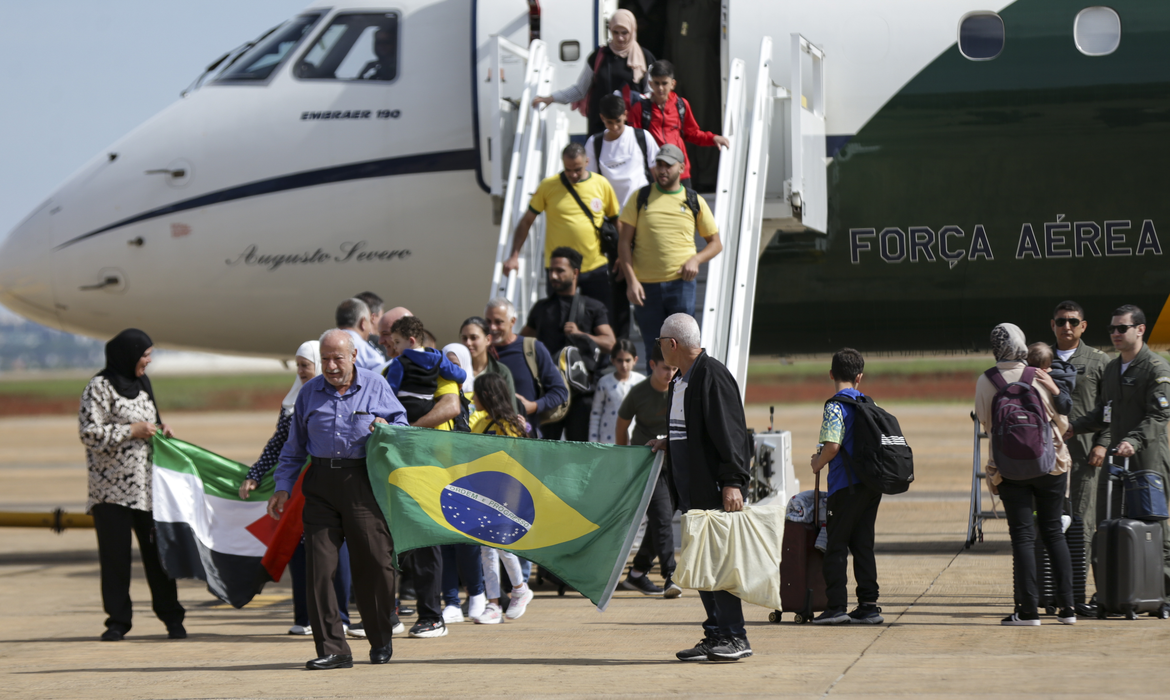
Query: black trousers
[(659, 538), (619, 308), (426, 565), (340, 507), (113, 524), (724, 615), (575, 424), (1047, 495), (851, 531)]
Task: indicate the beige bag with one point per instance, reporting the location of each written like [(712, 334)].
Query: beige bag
[(734, 552)]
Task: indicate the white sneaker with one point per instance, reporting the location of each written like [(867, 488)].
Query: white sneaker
[(398, 628), (357, 631), (491, 615), (452, 614), (475, 605), (519, 603), (300, 629)]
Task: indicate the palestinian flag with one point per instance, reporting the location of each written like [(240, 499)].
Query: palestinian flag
[(572, 507), (204, 530)]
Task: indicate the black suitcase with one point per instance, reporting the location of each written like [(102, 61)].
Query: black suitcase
[(1128, 563), (1046, 582)]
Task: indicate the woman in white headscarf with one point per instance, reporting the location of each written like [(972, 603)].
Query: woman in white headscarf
[(308, 366), (620, 64), (1039, 499)]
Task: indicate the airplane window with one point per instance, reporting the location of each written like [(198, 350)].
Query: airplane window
[(259, 63), (355, 46), (1097, 31), (981, 36)]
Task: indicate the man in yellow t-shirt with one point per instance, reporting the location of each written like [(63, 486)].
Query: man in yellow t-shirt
[(566, 223), (660, 264)]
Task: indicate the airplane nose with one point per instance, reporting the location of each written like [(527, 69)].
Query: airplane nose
[(26, 277)]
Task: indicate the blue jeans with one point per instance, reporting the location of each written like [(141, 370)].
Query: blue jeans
[(461, 561), (663, 299), (342, 583), (724, 614)]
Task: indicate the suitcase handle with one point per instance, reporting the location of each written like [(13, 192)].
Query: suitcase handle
[(1112, 454), (817, 500)]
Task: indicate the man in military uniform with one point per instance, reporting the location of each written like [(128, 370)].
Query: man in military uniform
[(1068, 325), (1133, 407)]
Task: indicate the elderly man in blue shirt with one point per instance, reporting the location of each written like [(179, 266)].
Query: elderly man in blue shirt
[(333, 418)]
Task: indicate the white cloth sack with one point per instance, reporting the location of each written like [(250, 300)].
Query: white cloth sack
[(734, 552)]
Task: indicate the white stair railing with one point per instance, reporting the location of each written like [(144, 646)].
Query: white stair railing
[(728, 204), (525, 170)]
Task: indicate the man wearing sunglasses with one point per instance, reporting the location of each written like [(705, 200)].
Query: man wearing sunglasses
[(1132, 409), (1068, 325)]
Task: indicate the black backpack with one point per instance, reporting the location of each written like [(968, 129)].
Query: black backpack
[(881, 459), (692, 199), (639, 136), (648, 111)]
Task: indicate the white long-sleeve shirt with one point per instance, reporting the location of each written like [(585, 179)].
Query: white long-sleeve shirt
[(607, 399)]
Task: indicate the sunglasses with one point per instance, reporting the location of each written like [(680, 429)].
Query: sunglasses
[(1073, 322), (1122, 327)]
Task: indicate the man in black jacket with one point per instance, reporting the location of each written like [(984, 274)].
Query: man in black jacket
[(707, 465)]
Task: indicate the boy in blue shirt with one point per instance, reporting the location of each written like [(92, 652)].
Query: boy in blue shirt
[(852, 505)]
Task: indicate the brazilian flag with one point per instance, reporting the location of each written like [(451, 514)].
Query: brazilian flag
[(572, 507)]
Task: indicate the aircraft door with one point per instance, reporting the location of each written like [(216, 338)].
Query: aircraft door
[(572, 30)]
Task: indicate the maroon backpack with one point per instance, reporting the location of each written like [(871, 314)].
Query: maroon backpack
[(1021, 436)]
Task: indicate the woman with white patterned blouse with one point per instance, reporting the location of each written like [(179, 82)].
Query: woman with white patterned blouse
[(117, 419)]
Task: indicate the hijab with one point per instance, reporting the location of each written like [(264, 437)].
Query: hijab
[(122, 355), (632, 51), (310, 350), (1008, 343), (464, 356)]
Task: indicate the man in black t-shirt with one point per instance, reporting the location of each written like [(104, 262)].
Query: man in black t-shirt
[(589, 330)]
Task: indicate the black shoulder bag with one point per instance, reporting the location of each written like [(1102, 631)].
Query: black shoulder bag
[(607, 233)]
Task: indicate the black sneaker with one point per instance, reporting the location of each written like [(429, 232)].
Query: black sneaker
[(731, 649), (1018, 620), (113, 635), (642, 584), (405, 611), (699, 651), (832, 616), (176, 631), (671, 590), (866, 614), (1068, 616), (425, 629)]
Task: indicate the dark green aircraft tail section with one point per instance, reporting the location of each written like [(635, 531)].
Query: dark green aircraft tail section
[(987, 192)]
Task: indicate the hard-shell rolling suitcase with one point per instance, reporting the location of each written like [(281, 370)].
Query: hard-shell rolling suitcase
[(802, 578), (1046, 581), (1128, 563)]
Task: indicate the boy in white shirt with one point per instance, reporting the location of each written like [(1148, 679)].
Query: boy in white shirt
[(623, 154)]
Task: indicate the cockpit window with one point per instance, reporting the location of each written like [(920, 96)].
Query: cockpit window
[(355, 46), (262, 60)]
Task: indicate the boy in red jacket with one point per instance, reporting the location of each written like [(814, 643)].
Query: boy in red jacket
[(668, 117)]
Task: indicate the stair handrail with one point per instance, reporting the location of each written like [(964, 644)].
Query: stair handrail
[(743, 289), (728, 205), (537, 60)]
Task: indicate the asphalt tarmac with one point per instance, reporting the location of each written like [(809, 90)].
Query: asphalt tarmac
[(942, 605)]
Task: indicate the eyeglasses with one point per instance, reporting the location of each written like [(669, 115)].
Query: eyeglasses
[(658, 341), (1073, 322), (1122, 327)]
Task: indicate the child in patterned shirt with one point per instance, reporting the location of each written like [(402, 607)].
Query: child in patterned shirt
[(611, 390)]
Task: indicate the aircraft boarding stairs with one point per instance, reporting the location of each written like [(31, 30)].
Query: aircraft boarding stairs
[(772, 178)]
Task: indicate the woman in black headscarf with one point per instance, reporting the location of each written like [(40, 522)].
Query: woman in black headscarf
[(118, 418)]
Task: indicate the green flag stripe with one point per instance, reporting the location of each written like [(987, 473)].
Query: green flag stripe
[(220, 476)]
